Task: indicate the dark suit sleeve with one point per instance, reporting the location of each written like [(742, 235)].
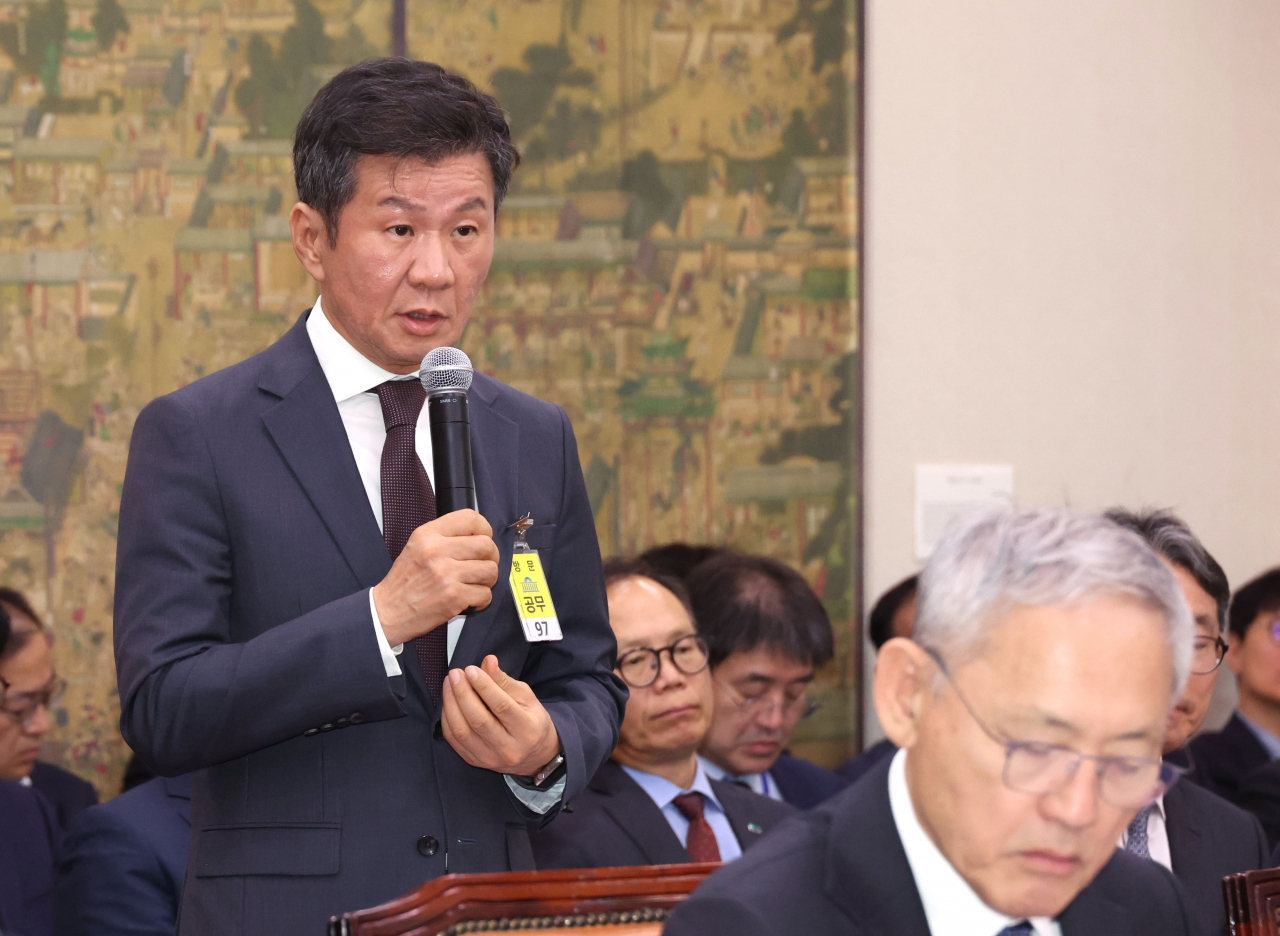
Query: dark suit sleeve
[(574, 677), (714, 916), (191, 697), (111, 882)]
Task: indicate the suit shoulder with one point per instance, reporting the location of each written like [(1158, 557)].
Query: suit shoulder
[(507, 398), (63, 784), (784, 867), (1219, 811), (751, 805), (1148, 890)]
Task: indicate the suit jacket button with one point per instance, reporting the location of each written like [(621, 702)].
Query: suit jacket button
[(356, 718), (428, 845), (341, 723), (310, 731), (328, 727)]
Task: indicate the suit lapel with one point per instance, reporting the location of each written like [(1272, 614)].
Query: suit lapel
[(637, 816), (868, 875), (495, 455), (308, 431), (1183, 831)]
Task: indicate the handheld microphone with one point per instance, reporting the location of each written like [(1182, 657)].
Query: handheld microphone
[(446, 376)]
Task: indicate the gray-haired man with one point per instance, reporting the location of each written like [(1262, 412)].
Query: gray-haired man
[(1030, 705)]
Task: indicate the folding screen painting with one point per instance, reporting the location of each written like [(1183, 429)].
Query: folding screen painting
[(677, 267)]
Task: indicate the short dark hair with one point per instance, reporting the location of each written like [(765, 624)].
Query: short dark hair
[(1171, 538), (1260, 595), (880, 623), (17, 637), (615, 570), (678, 559), (4, 630), (741, 602), (394, 107)]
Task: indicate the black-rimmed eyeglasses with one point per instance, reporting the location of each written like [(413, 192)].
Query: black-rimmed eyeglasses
[(640, 667), (1206, 654), (1037, 768)]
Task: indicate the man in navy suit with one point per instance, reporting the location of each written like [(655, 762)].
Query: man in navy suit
[(767, 632), (289, 616), (123, 862), (652, 802), (1029, 709)]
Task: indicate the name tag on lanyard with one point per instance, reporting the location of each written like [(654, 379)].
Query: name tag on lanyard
[(534, 606)]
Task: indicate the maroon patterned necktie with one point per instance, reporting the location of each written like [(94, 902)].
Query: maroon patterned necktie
[(408, 502), (701, 843)]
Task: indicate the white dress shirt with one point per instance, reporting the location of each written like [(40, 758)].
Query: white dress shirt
[(951, 907), (663, 793), (761, 783), (1157, 836), (352, 377)]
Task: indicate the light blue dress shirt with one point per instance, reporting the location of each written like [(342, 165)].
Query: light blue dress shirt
[(761, 783), (663, 793)]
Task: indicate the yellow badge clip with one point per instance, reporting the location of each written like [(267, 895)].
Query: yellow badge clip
[(529, 589)]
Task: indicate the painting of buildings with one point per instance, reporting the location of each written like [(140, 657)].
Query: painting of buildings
[(677, 266)]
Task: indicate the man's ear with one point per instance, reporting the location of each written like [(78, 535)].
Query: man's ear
[(904, 674), (1235, 652), (308, 230)]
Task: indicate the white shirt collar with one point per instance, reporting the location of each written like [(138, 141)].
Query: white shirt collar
[(662, 791), (758, 782), (348, 371), (951, 906)]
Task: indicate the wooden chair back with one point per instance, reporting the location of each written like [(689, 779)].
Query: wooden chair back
[(1253, 902), (581, 902)]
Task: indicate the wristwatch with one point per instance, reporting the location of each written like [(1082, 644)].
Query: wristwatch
[(547, 777)]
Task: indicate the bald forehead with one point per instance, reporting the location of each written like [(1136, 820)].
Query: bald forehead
[(645, 614)]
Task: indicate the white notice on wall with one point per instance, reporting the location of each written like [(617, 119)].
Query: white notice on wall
[(943, 492)]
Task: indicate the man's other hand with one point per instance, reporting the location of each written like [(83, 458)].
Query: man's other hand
[(496, 722), (448, 565)]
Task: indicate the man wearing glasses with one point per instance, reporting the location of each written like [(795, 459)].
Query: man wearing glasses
[(767, 632), (32, 691), (1030, 705), (652, 803)]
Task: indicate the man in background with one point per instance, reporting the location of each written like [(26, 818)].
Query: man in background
[(29, 661), (891, 617), (1030, 707), (652, 802), (28, 831), (1252, 737), (768, 633), (1194, 833), (123, 863)]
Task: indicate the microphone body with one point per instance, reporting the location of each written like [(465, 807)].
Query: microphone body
[(455, 485)]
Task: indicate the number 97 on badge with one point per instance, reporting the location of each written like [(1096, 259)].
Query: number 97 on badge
[(529, 589)]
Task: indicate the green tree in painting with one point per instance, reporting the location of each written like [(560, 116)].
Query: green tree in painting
[(270, 98), (526, 93), (109, 21), (46, 31)]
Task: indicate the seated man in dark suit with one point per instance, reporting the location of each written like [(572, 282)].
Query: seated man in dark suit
[(1030, 707), (1252, 737), (30, 664), (652, 803), (123, 862), (767, 632), (1196, 834), (28, 838), (892, 616)]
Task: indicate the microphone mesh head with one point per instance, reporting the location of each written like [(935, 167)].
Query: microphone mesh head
[(446, 369)]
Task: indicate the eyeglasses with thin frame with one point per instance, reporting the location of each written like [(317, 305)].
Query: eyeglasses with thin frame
[(1038, 768), (22, 707), (640, 667), (765, 703), (1207, 654)]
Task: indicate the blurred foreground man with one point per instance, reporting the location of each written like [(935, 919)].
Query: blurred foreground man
[(289, 621), (1196, 834), (653, 803), (1031, 706), (767, 633)]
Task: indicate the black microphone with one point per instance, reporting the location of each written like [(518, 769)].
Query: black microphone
[(446, 376)]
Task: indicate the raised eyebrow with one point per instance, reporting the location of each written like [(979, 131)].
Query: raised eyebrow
[(468, 206), (404, 204)]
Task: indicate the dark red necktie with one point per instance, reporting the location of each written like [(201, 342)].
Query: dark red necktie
[(408, 502), (701, 844)]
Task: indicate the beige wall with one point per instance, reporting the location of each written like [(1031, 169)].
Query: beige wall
[(1073, 260)]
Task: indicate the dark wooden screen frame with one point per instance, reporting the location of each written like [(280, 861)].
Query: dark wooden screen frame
[(575, 897)]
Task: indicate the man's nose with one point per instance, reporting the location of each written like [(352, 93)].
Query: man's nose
[(770, 713), (1075, 803), (39, 723), (669, 675), (430, 267)]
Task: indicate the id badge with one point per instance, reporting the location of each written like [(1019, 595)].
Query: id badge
[(529, 589)]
